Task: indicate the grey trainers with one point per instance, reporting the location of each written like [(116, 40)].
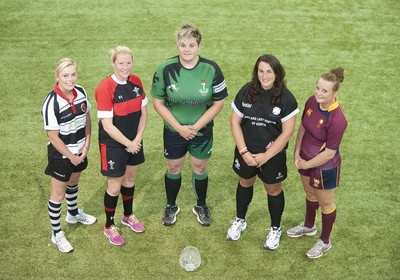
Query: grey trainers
[(301, 230), (81, 217), (203, 215), (318, 250), (61, 242), (273, 238), (170, 215), (237, 227)]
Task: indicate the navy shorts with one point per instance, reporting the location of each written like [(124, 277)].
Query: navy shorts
[(115, 159), (272, 172), (62, 169), (323, 178), (200, 147)]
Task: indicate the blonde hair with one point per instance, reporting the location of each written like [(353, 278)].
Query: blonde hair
[(63, 63), (188, 31), (120, 50)]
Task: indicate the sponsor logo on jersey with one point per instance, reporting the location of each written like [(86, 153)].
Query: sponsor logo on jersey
[(203, 89), (136, 91), (173, 88), (246, 105), (83, 107), (276, 111), (309, 112), (320, 122)]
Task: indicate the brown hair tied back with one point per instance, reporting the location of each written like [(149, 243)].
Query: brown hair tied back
[(336, 76)]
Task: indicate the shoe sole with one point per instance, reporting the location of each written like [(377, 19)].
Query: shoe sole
[(116, 244), (128, 225), (173, 222), (271, 248), (316, 257), (300, 235), (73, 222), (198, 218)]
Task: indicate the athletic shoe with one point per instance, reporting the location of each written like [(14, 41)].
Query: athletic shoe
[(273, 238), (132, 222), (113, 235), (318, 250), (301, 230), (237, 227), (61, 242), (170, 215), (203, 215), (81, 217)]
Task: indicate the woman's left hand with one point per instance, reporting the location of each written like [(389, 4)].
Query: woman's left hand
[(261, 159)]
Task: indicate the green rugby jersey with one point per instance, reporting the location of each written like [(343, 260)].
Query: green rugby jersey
[(188, 93)]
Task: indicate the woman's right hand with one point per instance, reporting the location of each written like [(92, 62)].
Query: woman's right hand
[(76, 160), (187, 131)]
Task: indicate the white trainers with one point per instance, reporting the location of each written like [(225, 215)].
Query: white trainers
[(273, 238), (61, 242), (81, 217), (318, 250), (238, 225), (301, 230)]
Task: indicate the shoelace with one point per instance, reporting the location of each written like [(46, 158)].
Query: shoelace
[(274, 233), (114, 231)]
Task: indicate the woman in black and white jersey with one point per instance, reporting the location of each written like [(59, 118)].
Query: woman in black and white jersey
[(67, 123)]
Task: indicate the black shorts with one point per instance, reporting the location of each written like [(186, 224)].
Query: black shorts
[(115, 159), (272, 172), (200, 147), (61, 169)]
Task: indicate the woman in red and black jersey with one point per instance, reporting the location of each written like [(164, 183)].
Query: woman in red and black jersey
[(121, 108)]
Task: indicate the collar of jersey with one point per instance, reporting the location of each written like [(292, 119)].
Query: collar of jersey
[(61, 94), (333, 106), (118, 81)]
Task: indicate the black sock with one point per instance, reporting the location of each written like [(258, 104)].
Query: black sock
[(127, 199), (110, 203), (172, 187), (200, 185), (243, 199), (276, 204)]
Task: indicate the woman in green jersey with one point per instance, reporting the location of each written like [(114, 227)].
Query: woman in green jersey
[(188, 92)]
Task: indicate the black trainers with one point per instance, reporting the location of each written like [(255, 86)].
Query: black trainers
[(170, 215), (203, 214)]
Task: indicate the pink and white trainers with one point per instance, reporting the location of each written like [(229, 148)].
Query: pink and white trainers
[(113, 235), (132, 222)]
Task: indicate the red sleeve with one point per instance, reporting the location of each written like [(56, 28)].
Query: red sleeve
[(104, 95)]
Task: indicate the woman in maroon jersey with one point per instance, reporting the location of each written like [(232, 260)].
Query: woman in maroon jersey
[(318, 160)]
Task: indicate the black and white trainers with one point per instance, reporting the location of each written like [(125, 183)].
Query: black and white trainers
[(203, 214), (170, 215)]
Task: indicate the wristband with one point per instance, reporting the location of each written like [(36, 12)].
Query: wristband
[(243, 150), (244, 153)]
